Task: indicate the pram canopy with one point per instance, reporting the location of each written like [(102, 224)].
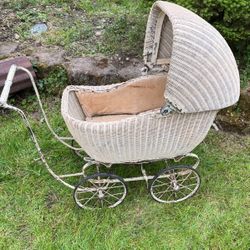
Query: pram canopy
[(203, 73)]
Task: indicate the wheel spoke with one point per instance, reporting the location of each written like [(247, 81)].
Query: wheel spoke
[(186, 187), (170, 195), (106, 192), (171, 176), (175, 195), (86, 190), (161, 182), (107, 180), (82, 199), (113, 186), (164, 192), (108, 201), (89, 199), (102, 203), (100, 190), (184, 195), (186, 178), (160, 185), (182, 182), (92, 182)]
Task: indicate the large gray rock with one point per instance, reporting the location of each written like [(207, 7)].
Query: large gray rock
[(131, 70), (244, 102), (6, 48), (92, 71), (48, 57), (237, 117)]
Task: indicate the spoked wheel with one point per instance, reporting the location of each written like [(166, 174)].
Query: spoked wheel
[(175, 184), (100, 190)]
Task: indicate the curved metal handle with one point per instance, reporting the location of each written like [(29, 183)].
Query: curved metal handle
[(7, 85)]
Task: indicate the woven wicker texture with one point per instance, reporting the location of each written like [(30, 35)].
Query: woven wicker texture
[(203, 74), (146, 136)]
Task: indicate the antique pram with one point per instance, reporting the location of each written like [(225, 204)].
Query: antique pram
[(190, 74)]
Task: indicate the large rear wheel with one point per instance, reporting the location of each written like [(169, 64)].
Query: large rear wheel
[(175, 184), (100, 190)]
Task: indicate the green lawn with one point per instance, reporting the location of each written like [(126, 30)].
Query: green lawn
[(74, 25), (37, 212)]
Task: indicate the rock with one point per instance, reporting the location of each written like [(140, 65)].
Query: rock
[(38, 28), (246, 130), (16, 36), (48, 57), (237, 118), (228, 122), (92, 71), (7, 48), (98, 33), (47, 60), (131, 70), (244, 102)]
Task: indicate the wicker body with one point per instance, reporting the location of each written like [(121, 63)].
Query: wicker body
[(147, 136), (202, 79)]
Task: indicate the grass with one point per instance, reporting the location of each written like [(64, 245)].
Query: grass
[(87, 27), (37, 212), (74, 25)]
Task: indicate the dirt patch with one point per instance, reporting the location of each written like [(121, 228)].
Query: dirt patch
[(8, 23), (51, 199)]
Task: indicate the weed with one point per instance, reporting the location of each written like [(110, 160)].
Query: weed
[(54, 83)]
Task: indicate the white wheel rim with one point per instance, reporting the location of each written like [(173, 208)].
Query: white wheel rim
[(106, 192), (175, 191)]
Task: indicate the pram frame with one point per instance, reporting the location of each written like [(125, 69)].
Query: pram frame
[(88, 161)]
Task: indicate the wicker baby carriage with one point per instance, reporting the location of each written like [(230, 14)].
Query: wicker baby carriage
[(190, 73)]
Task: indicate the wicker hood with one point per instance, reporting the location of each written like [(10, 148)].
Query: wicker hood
[(203, 73)]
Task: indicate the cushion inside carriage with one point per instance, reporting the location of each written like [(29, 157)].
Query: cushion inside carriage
[(107, 118), (128, 99)]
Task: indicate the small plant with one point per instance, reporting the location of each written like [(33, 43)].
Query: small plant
[(65, 36), (54, 83)]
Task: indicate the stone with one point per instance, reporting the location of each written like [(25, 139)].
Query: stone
[(244, 102), (246, 130), (48, 57), (38, 28), (237, 117), (91, 71), (7, 48), (98, 33), (132, 70), (16, 36)]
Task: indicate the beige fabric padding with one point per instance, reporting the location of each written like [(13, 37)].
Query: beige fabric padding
[(107, 118), (133, 97)]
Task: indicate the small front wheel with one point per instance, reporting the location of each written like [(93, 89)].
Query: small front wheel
[(100, 190), (175, 184)]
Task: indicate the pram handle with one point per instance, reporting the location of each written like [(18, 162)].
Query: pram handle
[(5, 94), (7, 85)]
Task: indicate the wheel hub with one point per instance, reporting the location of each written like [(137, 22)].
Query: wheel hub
[(175, 185), (100, 194)]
